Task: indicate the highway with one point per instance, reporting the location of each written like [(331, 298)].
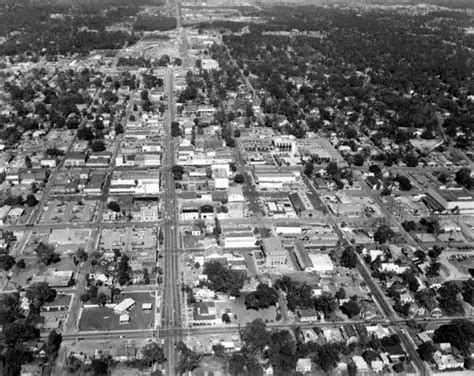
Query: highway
[(171, 306)]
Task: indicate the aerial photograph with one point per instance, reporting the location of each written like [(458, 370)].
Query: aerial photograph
[(236, 187)]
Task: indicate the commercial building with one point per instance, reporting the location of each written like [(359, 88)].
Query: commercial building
[(238, 237), (450, 201), (275, 255), (302, 205)]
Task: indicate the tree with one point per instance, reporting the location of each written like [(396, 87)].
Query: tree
[(358, 159), (6, 261), (369, 356), (225, 318), (425, 351), (85, 134), (433, 269), (54, 342), (405, 184), (383, 234), (46, 254), (351, 369), (114, 206), (223, 279), (31, 200), (146, 276), (98, 146), (350, 308), (39, 293), (255, 336), (325, 303), (282, 352), (239, 178), (20, 264), (348, 258), (411, 160), (153, 353), (327, 356), (448, 298), (82, 254), (332, 168), (144, 95), (101, 299), (458, 333), (188, 359), (123, 275), (18, 333), (463, 177), (341, 293), (99, 367), (467, 290), (263, 298), (10, 308), (435, 252), (309, 169), (175, 129)]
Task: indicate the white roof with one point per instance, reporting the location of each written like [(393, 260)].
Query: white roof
[(124, 305), (147, 306), (125, 317), (321, 262)]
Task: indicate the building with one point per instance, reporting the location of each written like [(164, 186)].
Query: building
[(308, 315), (303, 365), (275, 255), (221, 181), (204, 313), (302, 205), (302, 257), (238, 237), (124, 306), (209, 64), (459, 201), (285, 145)]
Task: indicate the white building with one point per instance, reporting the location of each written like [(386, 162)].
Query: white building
[(124, 306), (209, 64)]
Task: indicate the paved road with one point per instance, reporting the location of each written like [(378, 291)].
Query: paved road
[(171, 332), (171, 307)]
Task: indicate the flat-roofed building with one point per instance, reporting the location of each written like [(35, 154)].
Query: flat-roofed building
[(302, 204), (275, 255), (238, 237), (457, 200), (302, 257)]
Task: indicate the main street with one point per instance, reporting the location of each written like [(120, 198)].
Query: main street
[(171, 308)]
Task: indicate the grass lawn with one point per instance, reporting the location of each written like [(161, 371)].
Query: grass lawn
[(103, 318), (244, 315)]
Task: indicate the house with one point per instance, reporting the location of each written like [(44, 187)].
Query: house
[(75, 159), (395, 352), (376, 365), (31, 370), (48, 162), (447, 361), (204, 313), (303, 365), (351, 334), (360, 363), (406, 298), (377, 331), (308, 315)]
